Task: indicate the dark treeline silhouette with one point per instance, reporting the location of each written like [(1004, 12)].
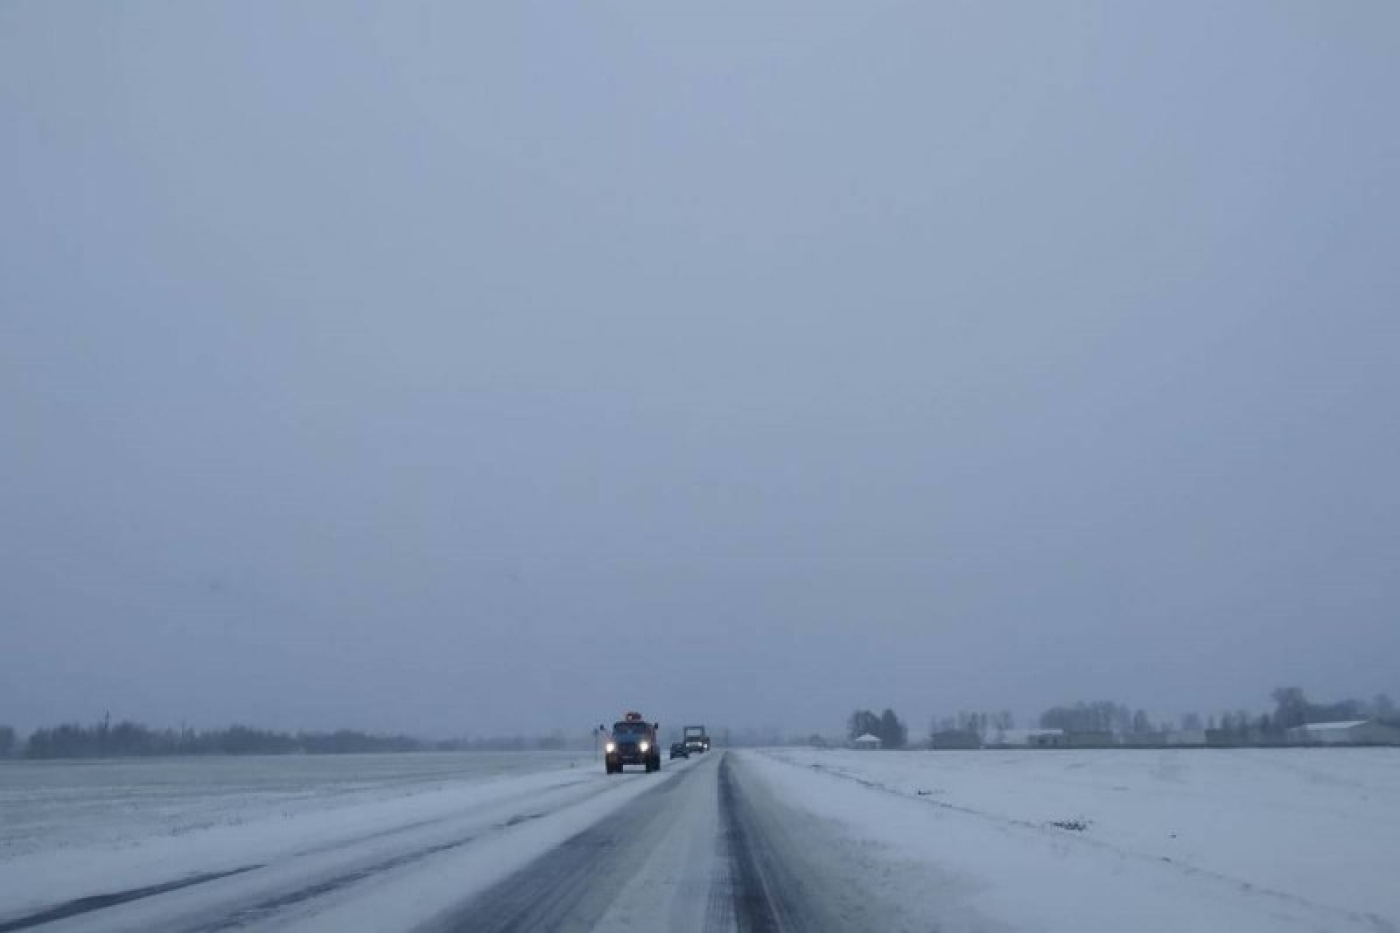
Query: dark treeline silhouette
[(555, 741), (1292, 709), (981, 724), (886, 726), (130, 739)]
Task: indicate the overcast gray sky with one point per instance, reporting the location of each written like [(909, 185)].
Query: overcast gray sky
[(471, 368)]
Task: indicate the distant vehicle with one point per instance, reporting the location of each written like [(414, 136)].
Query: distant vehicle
[(696, 740), (633, 742), (678, 750)]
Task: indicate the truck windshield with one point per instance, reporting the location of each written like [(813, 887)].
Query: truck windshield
[(630, 728)]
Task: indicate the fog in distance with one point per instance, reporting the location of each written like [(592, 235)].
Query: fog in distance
[(453, 370)]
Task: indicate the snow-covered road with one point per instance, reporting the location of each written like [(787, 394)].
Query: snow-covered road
[(563, 846), (775, 840)]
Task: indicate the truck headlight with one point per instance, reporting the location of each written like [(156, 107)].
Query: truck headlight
[(643, 746), (610, 747)]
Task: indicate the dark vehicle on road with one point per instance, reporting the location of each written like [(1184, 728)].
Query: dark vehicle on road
[(633, 742), (678, 750), (696, 740)]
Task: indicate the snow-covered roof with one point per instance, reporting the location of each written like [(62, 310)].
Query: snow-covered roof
[(1320, 726), (867, 738)]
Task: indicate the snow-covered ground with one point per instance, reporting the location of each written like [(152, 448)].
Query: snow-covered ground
[(79, 829), (1229, 840), (48, 805), (1085, 841)]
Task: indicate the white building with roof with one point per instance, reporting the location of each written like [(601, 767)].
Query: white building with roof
[(1353, 732), (867, 741)]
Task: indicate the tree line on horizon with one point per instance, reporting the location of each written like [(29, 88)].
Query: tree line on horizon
[(1292, 708), (134, 740)]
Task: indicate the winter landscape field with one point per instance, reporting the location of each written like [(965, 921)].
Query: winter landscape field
[(383, 383), (1102, 840)]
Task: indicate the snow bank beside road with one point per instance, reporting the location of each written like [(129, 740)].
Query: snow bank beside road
[(1247, 840)]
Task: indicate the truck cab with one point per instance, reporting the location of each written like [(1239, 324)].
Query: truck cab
[(633, 742), (696, 739)]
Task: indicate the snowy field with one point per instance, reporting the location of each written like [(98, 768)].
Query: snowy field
[(1229, 840), (78, 829), (48, 805)]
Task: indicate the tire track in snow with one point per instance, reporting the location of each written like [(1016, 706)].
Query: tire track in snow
[(84, 905), (264, 908), (760, 881), (571, 886), (761, 890)]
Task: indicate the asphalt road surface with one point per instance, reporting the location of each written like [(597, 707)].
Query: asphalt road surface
[(702, 846)]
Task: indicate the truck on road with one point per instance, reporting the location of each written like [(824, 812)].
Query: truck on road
[(696, 740), (633, 742)]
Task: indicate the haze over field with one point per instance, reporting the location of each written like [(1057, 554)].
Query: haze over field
[(448, 369)]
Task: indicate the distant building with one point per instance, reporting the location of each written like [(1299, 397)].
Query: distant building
[(955, 738), (1355, 732), (1049, 738), (1186, 737), (1090, 739), (867, 741), (1226, 738), (1144, 739), (1035, 738)]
